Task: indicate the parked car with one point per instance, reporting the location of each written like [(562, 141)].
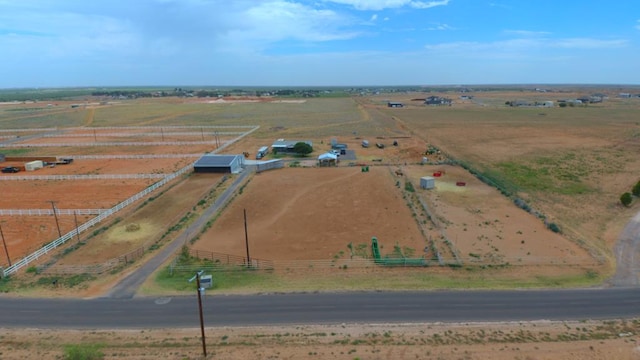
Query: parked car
[(10, 169)]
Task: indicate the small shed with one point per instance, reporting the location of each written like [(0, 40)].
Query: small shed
[(395, 104), (427, 182), (327, 159), (211, 163), (33, 165)]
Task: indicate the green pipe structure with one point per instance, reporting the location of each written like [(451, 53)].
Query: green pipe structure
[(403, 261)]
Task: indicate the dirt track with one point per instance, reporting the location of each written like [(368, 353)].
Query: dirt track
[(627, 251)]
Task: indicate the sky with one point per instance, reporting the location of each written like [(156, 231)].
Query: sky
[(69, 43)]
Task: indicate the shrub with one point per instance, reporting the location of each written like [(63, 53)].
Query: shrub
[(408, 186), (83, 352), (626, 199), (636, 189), (302, 148), (553, 227)]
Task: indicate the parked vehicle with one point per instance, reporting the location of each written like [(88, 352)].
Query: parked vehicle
[(262, 152), (10, 169)]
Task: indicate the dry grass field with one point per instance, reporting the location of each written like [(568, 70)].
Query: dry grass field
[(543, 340)]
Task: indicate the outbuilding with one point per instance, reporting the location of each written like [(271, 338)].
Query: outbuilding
[(328, 159), (212, 163), (34, 165), (427, 182), (287, 146)]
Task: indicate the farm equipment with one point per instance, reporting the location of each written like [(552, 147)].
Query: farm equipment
[(63, 161)]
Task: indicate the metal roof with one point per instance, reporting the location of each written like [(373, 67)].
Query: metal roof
[(215, 160), (289, 143), (328, 156)]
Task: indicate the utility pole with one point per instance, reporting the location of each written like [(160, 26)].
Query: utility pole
[(246, 238), (204, 344), (55, 215), (5, 246)]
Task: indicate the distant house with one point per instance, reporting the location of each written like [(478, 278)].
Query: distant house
[(466, 97), (395, 104), (437, 100), (625, 95), (212, 163), (520, 103), (286, 146)]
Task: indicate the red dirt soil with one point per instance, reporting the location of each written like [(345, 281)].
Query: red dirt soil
[(314, 213)]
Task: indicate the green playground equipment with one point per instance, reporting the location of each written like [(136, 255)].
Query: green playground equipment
[(375, 250), (402, 261)]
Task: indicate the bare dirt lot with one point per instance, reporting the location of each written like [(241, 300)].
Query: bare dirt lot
[(314, 213)]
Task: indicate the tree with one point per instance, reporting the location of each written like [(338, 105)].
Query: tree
[(302, 148), (636, 189), (626, 199)]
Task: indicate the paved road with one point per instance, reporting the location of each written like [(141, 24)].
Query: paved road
[(322, 308), (127, 288)]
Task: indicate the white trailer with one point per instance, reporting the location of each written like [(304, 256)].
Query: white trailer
[(33, 165)]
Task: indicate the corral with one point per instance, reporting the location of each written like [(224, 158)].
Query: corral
[(93, 178)]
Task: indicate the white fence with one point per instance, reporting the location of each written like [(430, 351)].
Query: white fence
[(46, 212), (129, 143), (169, 133), (103, 215), (140, 156), (25, 130), (83, 177), (96, 220)]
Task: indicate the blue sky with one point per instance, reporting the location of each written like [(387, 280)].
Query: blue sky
[(59, 43)]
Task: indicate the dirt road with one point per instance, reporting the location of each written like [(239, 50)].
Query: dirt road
[(627, 251)]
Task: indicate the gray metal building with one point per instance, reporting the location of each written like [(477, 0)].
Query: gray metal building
[(211, 163)]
